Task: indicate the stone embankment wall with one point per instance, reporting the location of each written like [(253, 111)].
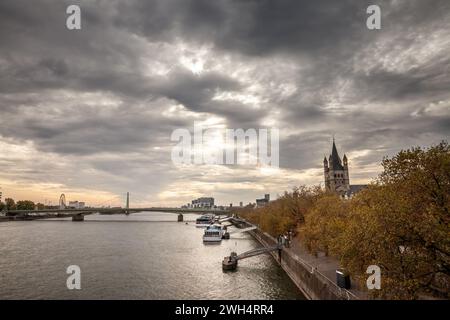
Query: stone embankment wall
[(313, 284)]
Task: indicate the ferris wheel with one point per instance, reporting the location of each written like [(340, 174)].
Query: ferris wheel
[(62, 201)]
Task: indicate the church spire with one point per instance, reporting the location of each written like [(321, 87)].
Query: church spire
[(335, 159), (336, 173)]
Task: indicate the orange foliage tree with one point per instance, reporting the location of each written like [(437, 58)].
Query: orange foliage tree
[(402, 225)]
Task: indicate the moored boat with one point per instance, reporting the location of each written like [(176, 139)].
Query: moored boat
[(204, 221), (214, 233)]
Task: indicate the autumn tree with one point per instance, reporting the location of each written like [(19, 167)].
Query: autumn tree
[(285, 213), (40, 206), (10, 204), (25, 205), (324, 223), (401, 224), (298, 202)]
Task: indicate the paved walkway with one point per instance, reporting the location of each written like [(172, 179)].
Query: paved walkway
[(326, 265)]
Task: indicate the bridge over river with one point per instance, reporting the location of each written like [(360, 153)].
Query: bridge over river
[(78, 214)]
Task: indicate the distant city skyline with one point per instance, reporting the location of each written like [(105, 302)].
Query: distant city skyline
[(90, 113)]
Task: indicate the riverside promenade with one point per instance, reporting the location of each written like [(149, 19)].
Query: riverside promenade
[(314, 276), (326, 265)]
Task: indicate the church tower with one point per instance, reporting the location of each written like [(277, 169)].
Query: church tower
[(336, 172)]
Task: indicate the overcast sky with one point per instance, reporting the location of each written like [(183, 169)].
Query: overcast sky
[(90, 112)]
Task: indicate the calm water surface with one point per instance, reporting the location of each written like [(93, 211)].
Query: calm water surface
[(141, 256)]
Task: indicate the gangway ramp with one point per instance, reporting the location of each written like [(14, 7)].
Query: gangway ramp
[(256, 252), (234, 219), (243, 230)]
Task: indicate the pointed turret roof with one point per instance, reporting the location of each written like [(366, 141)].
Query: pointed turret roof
[(335, 160)]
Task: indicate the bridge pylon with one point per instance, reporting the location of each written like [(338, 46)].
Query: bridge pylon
[(127, 204), (78, 217)]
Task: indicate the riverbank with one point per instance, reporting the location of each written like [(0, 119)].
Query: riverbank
[(308, 276), (25, 218)]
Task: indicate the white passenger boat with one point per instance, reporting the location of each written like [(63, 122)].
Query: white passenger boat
[(214, 233), (204, 221)]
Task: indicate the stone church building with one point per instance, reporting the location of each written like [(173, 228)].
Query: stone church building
[(336, 175)]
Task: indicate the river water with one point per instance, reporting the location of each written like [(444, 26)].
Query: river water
[(144, 255)]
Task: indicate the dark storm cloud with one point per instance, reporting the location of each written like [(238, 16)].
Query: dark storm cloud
[(253, 27), (309, 150), (193, 91)]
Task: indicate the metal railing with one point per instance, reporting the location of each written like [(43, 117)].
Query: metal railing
[(336, 290)]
